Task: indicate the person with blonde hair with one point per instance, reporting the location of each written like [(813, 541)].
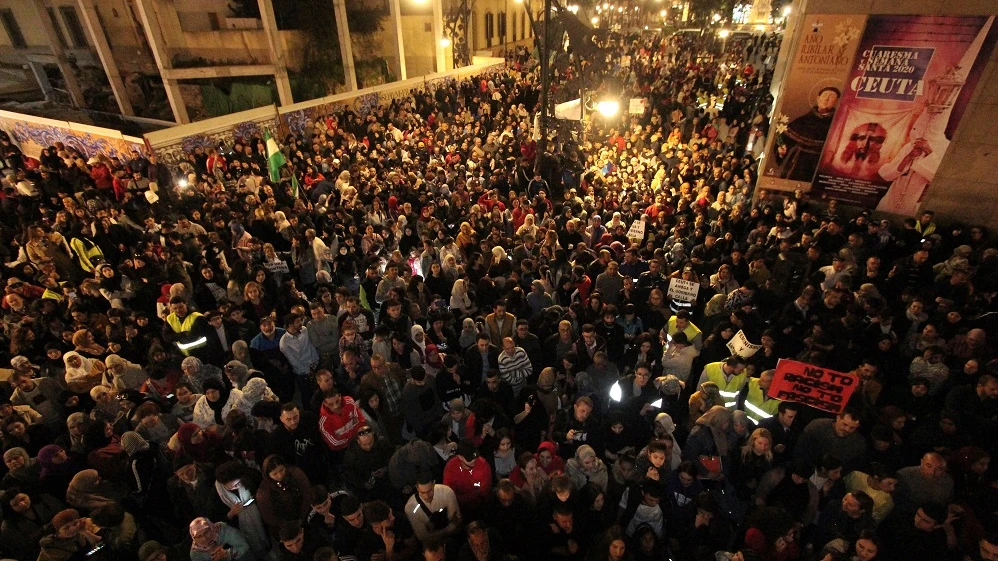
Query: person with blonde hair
[(755, 459)]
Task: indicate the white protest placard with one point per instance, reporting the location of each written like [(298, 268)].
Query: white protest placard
[(739, 345), (683, 290), (636, 106), (637, 231)]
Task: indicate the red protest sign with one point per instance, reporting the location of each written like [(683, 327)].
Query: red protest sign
[(821, 388)]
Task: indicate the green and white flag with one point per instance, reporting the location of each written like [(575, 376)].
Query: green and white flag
[(275, 159), (295, 189)]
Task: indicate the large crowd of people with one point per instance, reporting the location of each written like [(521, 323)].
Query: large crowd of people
[(448, 340)]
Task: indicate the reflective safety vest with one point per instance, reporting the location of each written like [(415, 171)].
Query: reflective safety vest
[(757, 405), (184, 326), (729, 388), (691, 330)]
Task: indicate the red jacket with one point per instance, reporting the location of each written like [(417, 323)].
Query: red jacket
[(472, 487), (102, 176), (338, 429)]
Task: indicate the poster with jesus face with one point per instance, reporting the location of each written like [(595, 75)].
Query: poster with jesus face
[(910, 83)]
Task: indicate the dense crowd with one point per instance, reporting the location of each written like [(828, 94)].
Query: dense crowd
[(450, 344)]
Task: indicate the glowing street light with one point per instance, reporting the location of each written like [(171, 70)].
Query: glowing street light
[(445, 42), (595, 20), (723, 34), (716, 18), (608, 107), (574, 8), (787, 10), (182, 183)]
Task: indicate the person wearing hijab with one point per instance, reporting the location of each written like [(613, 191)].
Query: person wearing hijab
[(105, 403), (255, 391), (82, 373), (215, 404), (197, 373), (23, 472), (71, 537), (469, 333), (586, 467), (664, 425), (708, 396), (144, 468), (238, 374), (201, 445), (88, 492), (58, 469), (84, 342), (709, 443), (418, 341), (212, 541), (124, 375)]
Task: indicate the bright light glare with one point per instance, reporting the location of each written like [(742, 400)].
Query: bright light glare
[(182, 183), (787, 10), (608, 108), (723, 34), (615, 392), (574, 8), (657, 404), (595, 20), (445, 42)]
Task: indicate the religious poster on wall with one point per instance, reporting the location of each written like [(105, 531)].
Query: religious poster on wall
[(910, 83), (814, 83)]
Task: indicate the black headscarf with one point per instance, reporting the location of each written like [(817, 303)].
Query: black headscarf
[(223, 397)]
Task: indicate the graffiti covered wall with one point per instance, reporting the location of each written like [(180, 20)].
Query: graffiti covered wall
[(32, 134)]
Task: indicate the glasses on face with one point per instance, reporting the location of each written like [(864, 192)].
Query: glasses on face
[(364, 431)]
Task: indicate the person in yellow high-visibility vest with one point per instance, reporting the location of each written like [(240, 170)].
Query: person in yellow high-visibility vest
[(729, 375), (681, 323), (189, 331), (754, 401)]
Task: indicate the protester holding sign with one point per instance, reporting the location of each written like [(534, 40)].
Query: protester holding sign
[(818, 387), (753, 398)]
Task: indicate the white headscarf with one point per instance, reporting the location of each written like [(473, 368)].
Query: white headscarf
[(77, 374)]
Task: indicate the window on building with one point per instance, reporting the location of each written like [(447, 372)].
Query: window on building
[(13, 30), (490, 28), (60, 36), (72, 21), (502, 26)]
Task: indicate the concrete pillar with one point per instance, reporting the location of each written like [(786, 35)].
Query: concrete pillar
[(396, 13), (90, 19), (346, 46), (791, 35), (438, 34), (150, 23), (277, 57), (48, 26)]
